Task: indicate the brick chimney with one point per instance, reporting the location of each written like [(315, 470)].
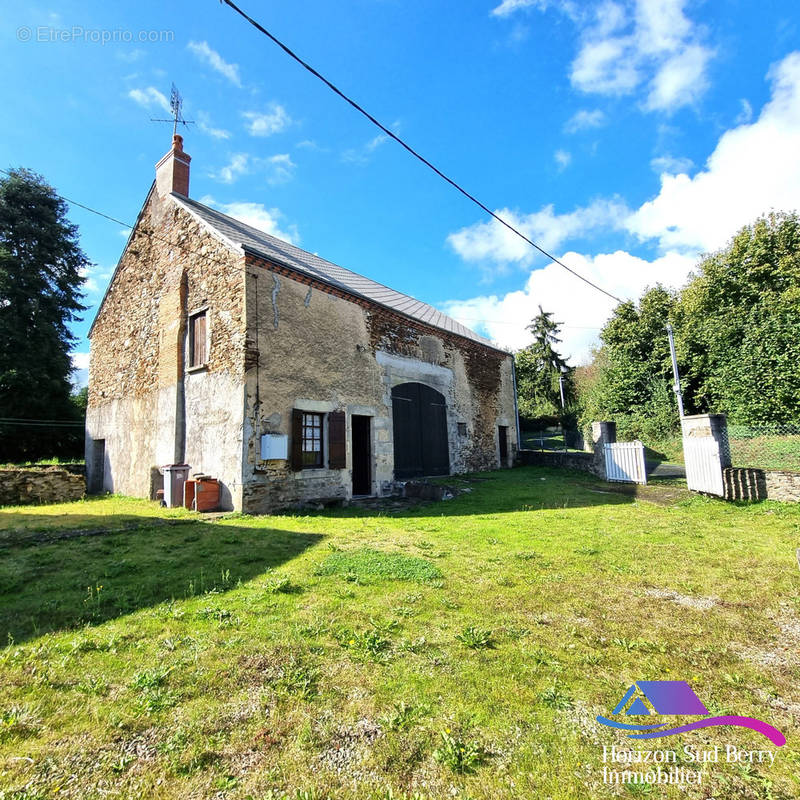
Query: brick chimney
[(172, 172)]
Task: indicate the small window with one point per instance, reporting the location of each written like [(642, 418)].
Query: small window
[(312, 440), (462, 428), (197, 340)]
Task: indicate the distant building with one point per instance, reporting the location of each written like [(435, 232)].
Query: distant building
[(286, 377)]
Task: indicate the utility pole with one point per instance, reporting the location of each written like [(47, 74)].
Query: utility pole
[(676, 387)]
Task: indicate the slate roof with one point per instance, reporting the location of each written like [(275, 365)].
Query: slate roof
[(287, 255)]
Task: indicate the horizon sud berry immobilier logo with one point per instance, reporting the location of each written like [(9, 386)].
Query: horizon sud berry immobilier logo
[(674, 699)]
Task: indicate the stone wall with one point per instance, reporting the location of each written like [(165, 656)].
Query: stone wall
[(759, 484), (27, 485), (318, 349), (146, 407), (585, 462)]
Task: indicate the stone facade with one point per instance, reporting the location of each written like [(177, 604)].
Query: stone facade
[(351, 356), (761, 484), (278, 340), (25, 486), (585, 462)]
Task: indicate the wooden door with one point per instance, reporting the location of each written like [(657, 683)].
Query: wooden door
[(419, 418)]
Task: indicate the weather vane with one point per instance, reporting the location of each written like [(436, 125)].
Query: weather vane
[(176, 104)]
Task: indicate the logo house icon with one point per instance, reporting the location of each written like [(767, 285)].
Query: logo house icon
[(675, 698)]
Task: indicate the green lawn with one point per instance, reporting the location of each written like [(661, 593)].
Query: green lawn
[(462, 649)]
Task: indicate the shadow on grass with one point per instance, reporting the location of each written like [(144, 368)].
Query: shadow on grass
[(89, 579), (529, 488)]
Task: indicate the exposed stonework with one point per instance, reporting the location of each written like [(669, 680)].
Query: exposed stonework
[(143, 402), (761, 484), (279, 341), (585, 462), (25, 486), (352, 355)]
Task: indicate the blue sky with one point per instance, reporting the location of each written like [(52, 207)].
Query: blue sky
[(626, 137)]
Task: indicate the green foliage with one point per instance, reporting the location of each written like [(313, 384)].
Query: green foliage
[(475, 638), (538, 367), (365, 564), (41, 266), (461, 755), (736, 329), (738, 324)]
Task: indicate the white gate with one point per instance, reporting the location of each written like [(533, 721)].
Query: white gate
[(625, 462), (703, 464)]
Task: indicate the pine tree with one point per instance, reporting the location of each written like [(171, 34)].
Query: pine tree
[(41, 274), (539, 366)]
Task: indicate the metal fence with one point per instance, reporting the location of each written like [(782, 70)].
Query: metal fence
[(774, 446)]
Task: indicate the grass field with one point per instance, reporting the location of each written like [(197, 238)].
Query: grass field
[(461, 649)]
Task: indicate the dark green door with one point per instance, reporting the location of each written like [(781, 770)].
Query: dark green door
[(419, 417)]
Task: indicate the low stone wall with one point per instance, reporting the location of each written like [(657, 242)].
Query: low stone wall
[(761, 484), (27, 485), (544, 458)]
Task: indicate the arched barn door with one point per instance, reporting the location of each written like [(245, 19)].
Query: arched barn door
[(419, 416)]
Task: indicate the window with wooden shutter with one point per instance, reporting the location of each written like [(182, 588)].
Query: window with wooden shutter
[(197, 340), (297, 439), (337, 455)]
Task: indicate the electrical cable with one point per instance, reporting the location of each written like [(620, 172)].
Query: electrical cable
[(410, 149)]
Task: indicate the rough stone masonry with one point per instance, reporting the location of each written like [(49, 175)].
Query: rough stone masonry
[(291, 344)]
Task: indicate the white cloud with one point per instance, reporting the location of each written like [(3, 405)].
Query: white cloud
[(671, 164), (632, 44), (281, 168), (753, 168), (745, 113), (258, 216), (680, 80), (492, 242), (606, 66), (278, 168), (205, 125), (583, 120), (508, 7), (362, 155), (268, 122), (216, 62), (575, 304), (150, 97), (239, 164), (80, 364), (563, 159)]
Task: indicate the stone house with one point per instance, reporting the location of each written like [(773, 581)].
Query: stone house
[(284, 376)]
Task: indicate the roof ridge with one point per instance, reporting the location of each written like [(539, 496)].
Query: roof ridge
[(297, 258)]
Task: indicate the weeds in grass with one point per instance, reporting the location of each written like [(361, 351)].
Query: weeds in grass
[(475, 638), (299, 679), (151, 678), (402, 716), (367, 644), (280, 584), (18, 721), (461, 755), (367, 564), (90, 684), (539, 657), (557, 698)]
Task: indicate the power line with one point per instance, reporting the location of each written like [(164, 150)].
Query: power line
[(143, 231), (154, 235), (410, 149)]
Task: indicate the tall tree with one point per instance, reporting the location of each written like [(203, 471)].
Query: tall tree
[(539, 366), (41, 274), (633, 387), (738, 324)]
